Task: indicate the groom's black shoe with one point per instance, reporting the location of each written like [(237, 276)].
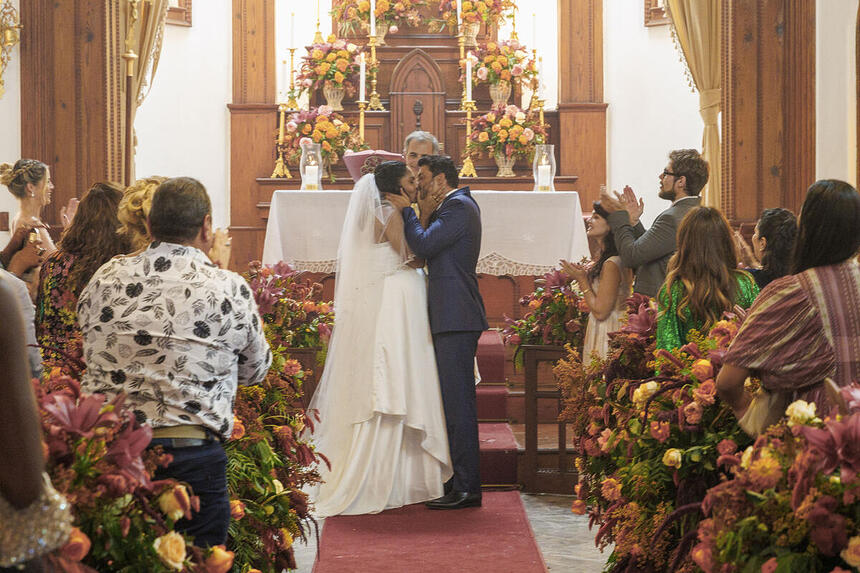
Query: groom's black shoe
[(455, 500)]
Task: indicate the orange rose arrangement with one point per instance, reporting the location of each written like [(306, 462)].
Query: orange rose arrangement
[(320, 125), (506, 130), (507, 61), (354, 16), (332, 64), (474, 12)]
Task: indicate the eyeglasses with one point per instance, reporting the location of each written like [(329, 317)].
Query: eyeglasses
[(665, 173)]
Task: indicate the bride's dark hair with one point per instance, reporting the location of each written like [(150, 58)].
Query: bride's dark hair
[(388, 175)]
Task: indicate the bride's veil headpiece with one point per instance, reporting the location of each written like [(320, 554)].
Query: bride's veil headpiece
[(344, 392)]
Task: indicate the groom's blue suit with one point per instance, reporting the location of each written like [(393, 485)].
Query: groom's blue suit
[(450, 245)]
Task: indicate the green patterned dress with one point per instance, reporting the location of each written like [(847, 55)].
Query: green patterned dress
[(672, 330)]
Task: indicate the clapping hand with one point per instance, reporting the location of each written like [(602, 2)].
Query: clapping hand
[(221, 248), (577, 272), (67, 213), (744, 252), (631, 204)]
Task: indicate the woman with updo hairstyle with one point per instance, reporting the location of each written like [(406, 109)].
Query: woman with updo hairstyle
[(382, 424), (91, 240), (772, 246), (134, 209)]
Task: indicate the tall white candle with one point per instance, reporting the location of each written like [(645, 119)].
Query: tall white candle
[(292, 29), (459, 14), (469, 77), (312, 176), (372, 17), (544, 176), (534, 30), (362, 69)]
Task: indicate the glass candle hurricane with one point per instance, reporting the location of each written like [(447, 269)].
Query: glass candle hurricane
[(311, 166), (543, 168)]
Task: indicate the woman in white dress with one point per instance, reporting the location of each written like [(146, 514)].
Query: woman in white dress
[(381, 425), (605, 286)]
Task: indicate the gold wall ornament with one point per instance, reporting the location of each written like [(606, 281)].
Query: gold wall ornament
[(9, 36)]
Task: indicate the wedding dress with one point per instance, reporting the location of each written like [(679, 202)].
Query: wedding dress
[(597, 331), (381, 425)]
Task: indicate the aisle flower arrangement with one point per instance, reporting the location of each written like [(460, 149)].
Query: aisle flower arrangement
[(556, 315), (649, 446), (506, 61), (792, 501), (320, 125), (97, 458), (354, 16), (331, 64), (506, 131)]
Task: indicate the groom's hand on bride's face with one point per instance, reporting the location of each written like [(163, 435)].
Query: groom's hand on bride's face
[(400, 201)]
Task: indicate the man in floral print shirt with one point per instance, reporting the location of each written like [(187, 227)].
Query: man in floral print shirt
[(177, 334)]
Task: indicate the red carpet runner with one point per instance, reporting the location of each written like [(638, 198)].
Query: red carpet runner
[(494, 538)]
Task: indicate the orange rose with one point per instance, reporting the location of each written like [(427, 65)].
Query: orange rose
[(505, 75), (342, 65), (496, 128), (497, 67), (489, 59), (219, 561), (503, 134), (578, 507), (175, 503), (343, 54), (317, 55), (483, 136), (317, 137), (505, 122), (77, 547), (364, 6), (171, 549), (307, 129), (339, 77), (331, 133), (491, 47), (523, 140), (331, 56), (238, 429), (237, 509), (344, 127), (326, 146)]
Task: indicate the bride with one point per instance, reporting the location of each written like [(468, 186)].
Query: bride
[(381, 424)]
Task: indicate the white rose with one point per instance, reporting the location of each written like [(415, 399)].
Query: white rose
[(643, 392), (746, 458), (520, 117), (351, 48), (171, 549), (520, 54), (800, 412)]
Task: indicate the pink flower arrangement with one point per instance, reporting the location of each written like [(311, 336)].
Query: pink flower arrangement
[(507, 131)]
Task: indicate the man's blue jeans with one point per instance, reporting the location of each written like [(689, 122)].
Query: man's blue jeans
[(204, 468)]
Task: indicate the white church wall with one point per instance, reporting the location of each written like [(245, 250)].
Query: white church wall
[(651, 108), (10, 119), (836, 96), (183, 124)]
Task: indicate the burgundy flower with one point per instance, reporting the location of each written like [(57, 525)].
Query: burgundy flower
[(79, 418), (827, 528)]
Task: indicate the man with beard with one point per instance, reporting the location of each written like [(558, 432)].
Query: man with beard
[(649, 251)]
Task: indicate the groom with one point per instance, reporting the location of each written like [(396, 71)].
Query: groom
[(450, 244)]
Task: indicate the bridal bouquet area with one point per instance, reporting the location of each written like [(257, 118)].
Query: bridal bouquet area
[(125, 521), (668, 479)]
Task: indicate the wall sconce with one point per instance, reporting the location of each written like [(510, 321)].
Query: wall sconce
[(9, 36)]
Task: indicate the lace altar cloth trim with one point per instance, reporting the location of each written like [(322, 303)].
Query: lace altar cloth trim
[(491, 264)]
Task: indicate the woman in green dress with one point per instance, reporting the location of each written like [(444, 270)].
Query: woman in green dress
[(703, 280)]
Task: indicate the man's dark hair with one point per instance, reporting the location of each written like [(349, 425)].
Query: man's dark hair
[(690, 164), (387, 176), (179, 206), (827, 232), (442, 164)]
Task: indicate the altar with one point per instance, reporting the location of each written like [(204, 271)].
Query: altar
[(523, 233)]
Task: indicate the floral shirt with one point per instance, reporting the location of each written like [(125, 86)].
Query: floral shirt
[(56, 314), (175, 333)]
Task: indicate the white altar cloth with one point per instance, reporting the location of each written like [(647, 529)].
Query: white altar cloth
[(523, 232)]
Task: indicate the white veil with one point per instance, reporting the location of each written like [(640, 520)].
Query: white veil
[(343, 396)]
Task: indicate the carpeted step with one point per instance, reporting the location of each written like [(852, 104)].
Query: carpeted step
[(498, 455), (491, 357), (495, 537), (492, 403)]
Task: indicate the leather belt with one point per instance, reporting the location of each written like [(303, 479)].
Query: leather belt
[(183, 436)]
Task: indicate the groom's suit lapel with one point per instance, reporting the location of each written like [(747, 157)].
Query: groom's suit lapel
[(457, 193)]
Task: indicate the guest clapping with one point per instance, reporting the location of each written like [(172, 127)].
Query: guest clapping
[(605, 286), (703, 280), (772, 246), (91, 240), (803, 328)]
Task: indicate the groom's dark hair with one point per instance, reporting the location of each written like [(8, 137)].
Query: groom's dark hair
[(387, 176), (442, 164)]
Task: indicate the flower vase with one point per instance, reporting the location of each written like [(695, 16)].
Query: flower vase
[(470, 33), (334, 96), (500, 93), (505, 164)]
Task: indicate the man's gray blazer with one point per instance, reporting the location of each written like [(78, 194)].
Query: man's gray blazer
[(649, 251)]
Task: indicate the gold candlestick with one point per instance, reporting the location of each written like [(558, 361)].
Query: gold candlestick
[(281, 165), (375, 103), (362, 105), (468, 169), (514, 24), (292, 102), (318, 39), (540, 103)]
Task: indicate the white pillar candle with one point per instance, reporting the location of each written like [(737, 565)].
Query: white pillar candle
[(312, 176), (544, 177), (362, 70), (292, 29), (372, 17), (468, 77), (459, 14), (534, 30)]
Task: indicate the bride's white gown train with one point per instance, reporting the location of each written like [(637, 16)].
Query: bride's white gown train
[(381, 423)]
